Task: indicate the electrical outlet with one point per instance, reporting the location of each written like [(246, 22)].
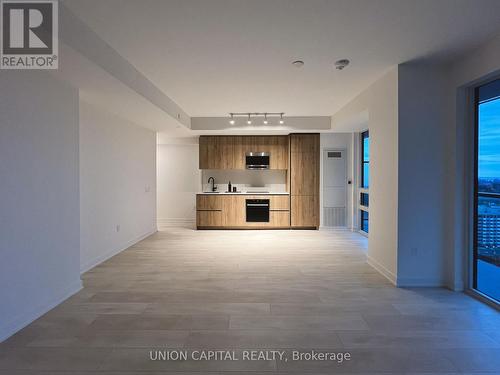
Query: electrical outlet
[(118, 228)]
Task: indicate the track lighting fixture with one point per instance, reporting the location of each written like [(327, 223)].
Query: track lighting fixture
[(249, 116)]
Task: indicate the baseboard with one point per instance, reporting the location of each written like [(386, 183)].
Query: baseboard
[(96, 261), (23, 320), (416, 282), (382, 270), (335, 229), (176, 222), (457, 286)]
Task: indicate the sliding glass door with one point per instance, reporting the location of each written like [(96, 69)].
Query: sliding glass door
[(487, 192)]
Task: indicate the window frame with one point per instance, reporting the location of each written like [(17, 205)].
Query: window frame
[(361, 188), (473, 247), (365, 134)]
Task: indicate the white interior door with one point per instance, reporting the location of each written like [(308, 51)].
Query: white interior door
[(334, 188)]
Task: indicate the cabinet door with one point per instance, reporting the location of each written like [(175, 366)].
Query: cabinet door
[(239, 150), (279, 202), (304, 211), (234, 211), (304, 143), (208, 202), (304, 173), (203, 153), (216, 152), (209, 218), (277, 146), (226, 151), (279, 219), (213, 152)]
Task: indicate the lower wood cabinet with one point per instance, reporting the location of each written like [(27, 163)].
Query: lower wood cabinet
[(305, 211), (209, 218), (229, 211)]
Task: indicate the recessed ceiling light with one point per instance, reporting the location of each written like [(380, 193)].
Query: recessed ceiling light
[(341, 64), (298, 63)]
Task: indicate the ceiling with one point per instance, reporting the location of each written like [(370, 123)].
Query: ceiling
[(217, 56)]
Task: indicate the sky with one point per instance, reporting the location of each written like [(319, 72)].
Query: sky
[(489, 139)]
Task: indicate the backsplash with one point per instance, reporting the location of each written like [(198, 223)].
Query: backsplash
[(269, 180)]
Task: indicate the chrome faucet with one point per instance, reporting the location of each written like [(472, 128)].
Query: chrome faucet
[(214, 188)]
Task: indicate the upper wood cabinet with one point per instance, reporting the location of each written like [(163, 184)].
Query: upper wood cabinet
[(214, 152), (228, 152)]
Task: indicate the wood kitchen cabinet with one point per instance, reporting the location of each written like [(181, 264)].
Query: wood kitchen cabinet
[(304, 211), (304, 180), (228, 152), (206, 219), (229, 211), (208, 211), (215, 152)]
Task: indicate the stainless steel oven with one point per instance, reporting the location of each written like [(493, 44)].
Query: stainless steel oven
[(257, 210), (257, 160)]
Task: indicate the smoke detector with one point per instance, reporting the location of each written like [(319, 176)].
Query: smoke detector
[(298, 63), (341, 64)]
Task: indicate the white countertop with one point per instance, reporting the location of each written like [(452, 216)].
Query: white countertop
[(243, 193)]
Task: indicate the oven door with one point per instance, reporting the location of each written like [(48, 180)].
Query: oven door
[(257, 210)]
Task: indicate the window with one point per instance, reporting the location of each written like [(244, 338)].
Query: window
[(364, 181), (486, 264), (364, 199), (365, 160), (364, 221)]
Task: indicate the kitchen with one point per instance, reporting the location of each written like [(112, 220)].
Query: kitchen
[(259, 182)]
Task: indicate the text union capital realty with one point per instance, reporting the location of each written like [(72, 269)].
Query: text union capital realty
[(246, 355)]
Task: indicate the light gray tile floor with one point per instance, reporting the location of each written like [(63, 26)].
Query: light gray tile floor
[(249, 290)]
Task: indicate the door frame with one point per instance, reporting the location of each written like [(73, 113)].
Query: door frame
[(472, 155), (323, 166)]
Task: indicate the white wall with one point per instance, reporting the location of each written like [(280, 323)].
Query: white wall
[(117, 184), (423, 184), (339, 141), (178, 181), (39, 221), (378, 105)]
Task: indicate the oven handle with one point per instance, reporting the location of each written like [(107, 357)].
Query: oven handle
[(257, 205)]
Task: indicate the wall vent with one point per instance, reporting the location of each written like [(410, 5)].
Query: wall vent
[(334, 154), (334, 216)]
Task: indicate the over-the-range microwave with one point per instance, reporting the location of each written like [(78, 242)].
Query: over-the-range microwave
[(257, 160)]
